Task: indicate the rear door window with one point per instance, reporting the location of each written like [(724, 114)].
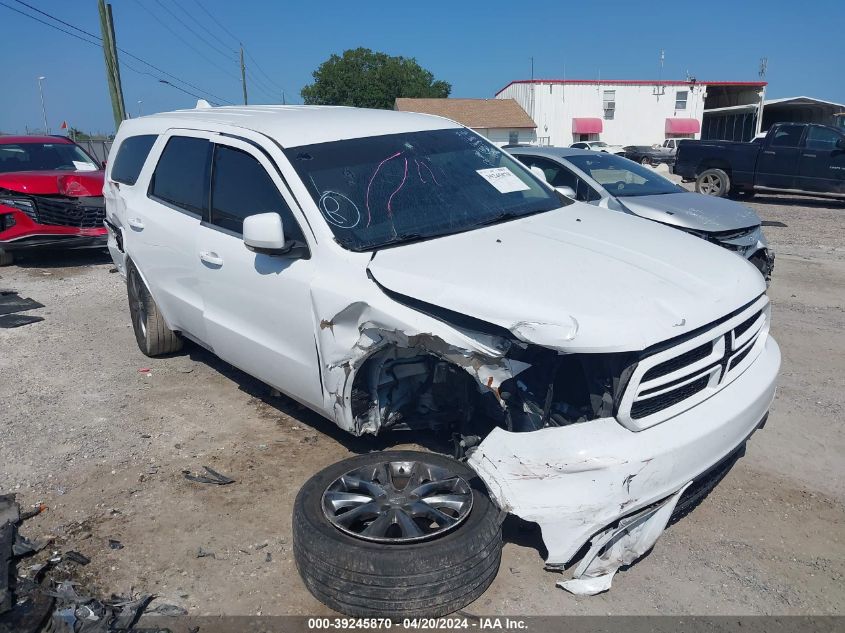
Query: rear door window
[(182, 174), (130, 159), (241, 187), (822, 138)]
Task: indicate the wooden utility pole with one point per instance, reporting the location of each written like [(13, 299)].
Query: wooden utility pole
[(243, 73), (112, 68)]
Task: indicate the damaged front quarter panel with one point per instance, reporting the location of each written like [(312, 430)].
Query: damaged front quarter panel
[(358, 332)]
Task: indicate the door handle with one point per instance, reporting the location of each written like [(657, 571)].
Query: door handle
[(765, 151), (136, 224), (210, 257), (809, 155)]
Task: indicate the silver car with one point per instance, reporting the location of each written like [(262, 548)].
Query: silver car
[(617, 183)]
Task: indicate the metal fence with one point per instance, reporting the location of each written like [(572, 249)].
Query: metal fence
[(98, 148)]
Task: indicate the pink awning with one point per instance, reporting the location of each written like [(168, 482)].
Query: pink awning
[(586, 126), (683, 126)]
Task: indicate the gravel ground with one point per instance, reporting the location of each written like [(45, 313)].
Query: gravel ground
[(103, 445)]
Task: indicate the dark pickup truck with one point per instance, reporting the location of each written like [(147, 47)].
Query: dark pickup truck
[(795, 158)]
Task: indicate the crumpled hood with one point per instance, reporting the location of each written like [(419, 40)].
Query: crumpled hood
[(580, 278), (692, 211), (69, 182)]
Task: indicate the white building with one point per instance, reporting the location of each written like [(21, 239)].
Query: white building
[(623, 112), (501, 121)]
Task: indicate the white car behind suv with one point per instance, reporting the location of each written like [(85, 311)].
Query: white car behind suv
[(393, 270)]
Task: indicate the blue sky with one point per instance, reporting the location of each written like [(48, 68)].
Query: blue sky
[(476, 46)]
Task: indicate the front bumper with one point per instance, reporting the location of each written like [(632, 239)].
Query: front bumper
[(20, 232), (576, 480)]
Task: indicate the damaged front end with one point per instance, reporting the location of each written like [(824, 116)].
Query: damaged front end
[(595, 447), (462, 374)]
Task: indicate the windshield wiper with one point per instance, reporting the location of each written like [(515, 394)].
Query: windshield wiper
[(500, 217), (400, 239)]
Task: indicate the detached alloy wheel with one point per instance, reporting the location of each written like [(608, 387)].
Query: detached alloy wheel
[(396, 534)]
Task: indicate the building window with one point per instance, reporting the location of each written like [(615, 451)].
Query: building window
[(609, 104), (513, 138), (681, 99)]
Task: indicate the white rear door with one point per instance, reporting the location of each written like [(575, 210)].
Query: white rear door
[(162, 222)]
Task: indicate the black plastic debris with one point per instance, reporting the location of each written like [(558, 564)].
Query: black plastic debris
[(11, 302), (212, 477), (169, 610), (79, 614), (8, 321), (113, 544), (23, 609), (7, 543), (76, 557)]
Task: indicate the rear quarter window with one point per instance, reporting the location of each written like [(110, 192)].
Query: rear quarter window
[(130, 159), (181, 177)]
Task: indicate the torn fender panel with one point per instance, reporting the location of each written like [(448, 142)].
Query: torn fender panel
[(350, 334)]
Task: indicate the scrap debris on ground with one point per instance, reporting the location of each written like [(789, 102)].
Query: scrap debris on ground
[(32, 601), (213, 477), (11, 303)]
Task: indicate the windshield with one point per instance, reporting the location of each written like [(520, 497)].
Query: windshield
[(382, 190), (598, 144), (44, 157), (622, 177)]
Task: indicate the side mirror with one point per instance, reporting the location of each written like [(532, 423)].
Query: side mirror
[(841, 142), (538, 172), (569, 192), (263, 233)]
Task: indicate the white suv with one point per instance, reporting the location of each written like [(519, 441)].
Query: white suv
[(394, 270)]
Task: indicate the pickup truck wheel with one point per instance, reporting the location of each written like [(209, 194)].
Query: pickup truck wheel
[(713, 182), (645, 161), (6, 258), (396, 534), (152, 334)]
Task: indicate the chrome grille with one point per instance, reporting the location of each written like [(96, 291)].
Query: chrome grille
[(677, 378)]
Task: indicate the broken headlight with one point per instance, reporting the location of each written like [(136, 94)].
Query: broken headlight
[(21, 204), (561, 389)]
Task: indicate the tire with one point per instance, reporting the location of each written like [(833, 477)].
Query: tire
[(713, 182), (6, 258), (152, 334), (424, 578), (644, 161)]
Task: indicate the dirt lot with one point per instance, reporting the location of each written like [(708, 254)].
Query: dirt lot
[(103, 445)]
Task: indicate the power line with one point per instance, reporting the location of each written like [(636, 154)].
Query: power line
[(98, 43), (270, 85), (185, 42), (227, 31), (197, 35), (259, 69), (200, 24)]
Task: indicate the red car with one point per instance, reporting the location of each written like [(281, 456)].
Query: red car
[(51, 195)]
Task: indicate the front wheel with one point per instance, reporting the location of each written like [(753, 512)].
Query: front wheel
[(151, 332), (713, 182), (396, 534), (645, 162)]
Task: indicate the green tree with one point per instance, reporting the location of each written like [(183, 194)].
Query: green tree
[(367, 79)]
